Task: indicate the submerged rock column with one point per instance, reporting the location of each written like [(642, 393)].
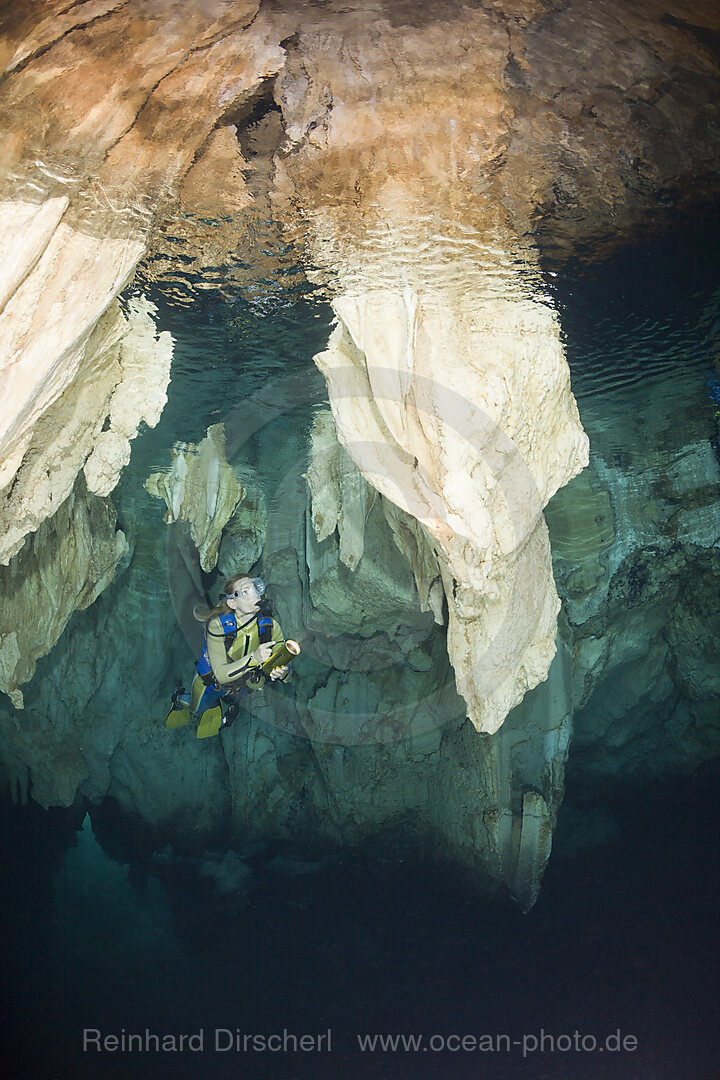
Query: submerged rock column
[(455, 404), (446, 373)]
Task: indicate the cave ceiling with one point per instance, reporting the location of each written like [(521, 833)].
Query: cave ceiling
[(306, 128)]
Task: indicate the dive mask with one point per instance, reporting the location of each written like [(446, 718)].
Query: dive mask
[(256, 585)]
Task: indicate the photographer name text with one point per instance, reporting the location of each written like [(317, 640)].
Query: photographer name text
[(219, 1040)]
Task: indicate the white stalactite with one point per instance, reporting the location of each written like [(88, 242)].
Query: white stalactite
[(456, 406)]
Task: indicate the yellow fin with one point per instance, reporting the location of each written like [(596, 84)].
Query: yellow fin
[(210, 723), (177, 718)]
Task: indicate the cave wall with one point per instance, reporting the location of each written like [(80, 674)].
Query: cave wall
[(419, 165)]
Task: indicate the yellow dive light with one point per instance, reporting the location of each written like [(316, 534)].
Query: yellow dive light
[(284, 654)]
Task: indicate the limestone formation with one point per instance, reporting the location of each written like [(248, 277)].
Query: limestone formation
[(62, 567), (66, 286), (432, 397), (418, 216), (244, 535), (127, 101), (200, 488), (415, 190), (82, 384), (341, 499), (139, 397), (635, 551), (357, 581), (420, 162)]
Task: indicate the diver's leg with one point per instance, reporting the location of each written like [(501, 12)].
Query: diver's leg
[(179, 714), (235, 699), (203, 697), (206, 709), (180, 698)]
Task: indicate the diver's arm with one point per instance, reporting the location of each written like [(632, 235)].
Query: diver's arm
[(226, 671)]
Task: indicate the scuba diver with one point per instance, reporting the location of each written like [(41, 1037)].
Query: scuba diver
[(242, 646)]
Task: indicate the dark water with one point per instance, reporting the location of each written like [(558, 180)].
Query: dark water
[(623, 944), (647, 318), (624, 938)]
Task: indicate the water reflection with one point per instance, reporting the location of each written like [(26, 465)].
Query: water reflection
[(268, 262)]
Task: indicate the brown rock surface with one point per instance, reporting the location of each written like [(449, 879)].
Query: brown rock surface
[(546, 116)]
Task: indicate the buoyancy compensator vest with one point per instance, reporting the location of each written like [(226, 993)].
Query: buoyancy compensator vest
[(228, 621)]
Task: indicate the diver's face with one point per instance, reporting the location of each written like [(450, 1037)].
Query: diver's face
[(248, 598)]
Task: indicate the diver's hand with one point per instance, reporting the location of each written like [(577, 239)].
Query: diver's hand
[(278, 672), (262, 653)]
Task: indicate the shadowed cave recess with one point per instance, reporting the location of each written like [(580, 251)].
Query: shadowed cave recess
[(414, 312)]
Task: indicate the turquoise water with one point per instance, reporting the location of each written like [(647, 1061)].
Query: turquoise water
[(239, 365), (107, 928), (225, 354)]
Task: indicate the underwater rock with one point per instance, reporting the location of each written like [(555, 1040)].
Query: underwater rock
[(357, 581), (534, 849), (96, 390), (341, 498), (61, 330), (435, 398), (582, 530), (200, 488), (404, 153), (244, 535), (144, 358), (452, 134), (373, 148), (485, 786), (128, 100), (635, 555), (26, 232), (61, 568), (416, 218), (416, 544), (646, 694)]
